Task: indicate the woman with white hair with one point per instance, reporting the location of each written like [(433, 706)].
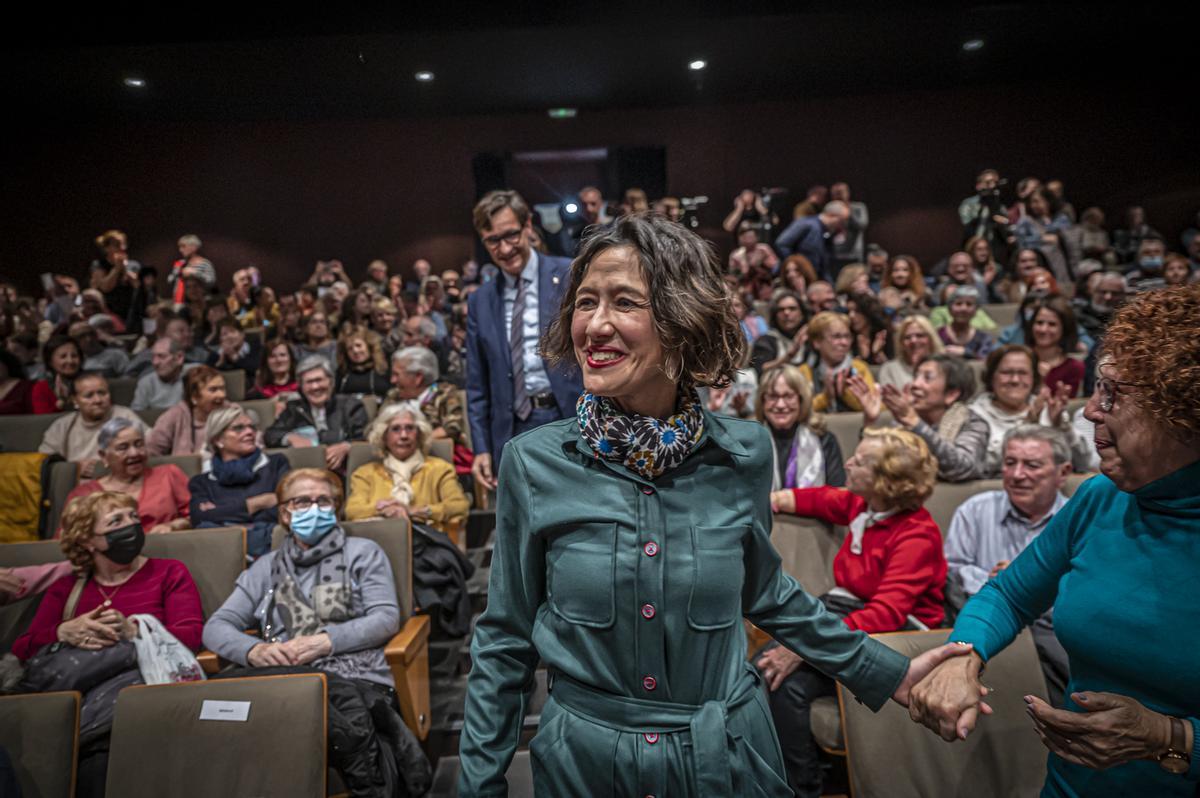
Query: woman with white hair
[(404, 482), (319, 417), (161, 491)]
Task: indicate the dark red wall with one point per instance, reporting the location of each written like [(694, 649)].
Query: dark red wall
[(283, 195)]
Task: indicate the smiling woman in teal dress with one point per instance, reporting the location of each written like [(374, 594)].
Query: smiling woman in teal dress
[(632, 540)]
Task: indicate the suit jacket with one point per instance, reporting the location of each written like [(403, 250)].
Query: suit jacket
[(489, 362), (808, 237)]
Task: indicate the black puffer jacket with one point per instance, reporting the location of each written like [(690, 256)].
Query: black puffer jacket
[(345, 419)]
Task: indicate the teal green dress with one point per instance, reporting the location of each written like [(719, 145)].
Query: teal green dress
[(632, 592)]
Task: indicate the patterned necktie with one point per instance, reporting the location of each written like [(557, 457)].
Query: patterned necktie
[(516, 347)]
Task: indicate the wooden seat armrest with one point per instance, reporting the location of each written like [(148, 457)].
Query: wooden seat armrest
[(210, 662), (409, 643)]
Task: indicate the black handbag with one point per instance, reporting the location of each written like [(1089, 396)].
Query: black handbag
[(59, 666)]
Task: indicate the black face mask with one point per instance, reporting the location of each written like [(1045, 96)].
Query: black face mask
[(125, 544)]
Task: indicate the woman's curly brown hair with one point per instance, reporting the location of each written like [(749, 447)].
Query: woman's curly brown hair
[(79, 524), (1154, 341), (690, 302)]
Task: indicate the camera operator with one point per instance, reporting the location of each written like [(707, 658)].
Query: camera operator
[(982, 214)]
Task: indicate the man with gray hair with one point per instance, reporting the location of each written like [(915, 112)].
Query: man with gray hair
[(812, 237), (415, 377), (163, 385), (991, 529)]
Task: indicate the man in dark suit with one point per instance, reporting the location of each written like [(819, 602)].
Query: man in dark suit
[(510, 388)]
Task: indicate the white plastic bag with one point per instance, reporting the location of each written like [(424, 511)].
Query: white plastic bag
[(162, 659)]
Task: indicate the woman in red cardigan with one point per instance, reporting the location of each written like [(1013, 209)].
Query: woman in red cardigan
[(890, 574)]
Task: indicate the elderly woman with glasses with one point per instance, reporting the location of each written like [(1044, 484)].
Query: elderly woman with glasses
[(805, 453), (237, 486), (322, 600), (405, 482), (1119, 566)]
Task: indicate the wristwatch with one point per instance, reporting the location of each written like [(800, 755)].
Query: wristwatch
[(1177, 760)]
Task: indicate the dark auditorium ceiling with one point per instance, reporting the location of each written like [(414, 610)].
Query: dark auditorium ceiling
[(263, 61)]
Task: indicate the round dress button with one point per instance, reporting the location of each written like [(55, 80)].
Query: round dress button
[(651, 737), (647, 611), (650, 548), (648, 491), (649, 682)]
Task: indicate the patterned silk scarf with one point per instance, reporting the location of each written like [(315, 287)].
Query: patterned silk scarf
[(646, 446)]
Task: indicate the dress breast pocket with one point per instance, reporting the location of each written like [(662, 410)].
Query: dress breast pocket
[(581, 565), (718, 571)]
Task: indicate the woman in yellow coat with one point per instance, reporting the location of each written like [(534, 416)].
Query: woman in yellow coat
[(405, 483)]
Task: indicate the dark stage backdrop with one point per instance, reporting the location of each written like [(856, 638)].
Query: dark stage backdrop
[(282, 195)]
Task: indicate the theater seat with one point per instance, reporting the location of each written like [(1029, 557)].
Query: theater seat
[(807, 548), (16, 616), (889, 756), (235, 385), (40, 733), (302, 457), (947, 496), (263, 408), (1003, 314), (847, 428), (189, 464), (825, 723), (371, 405), (24, 433), (122, 389), (160, 745)]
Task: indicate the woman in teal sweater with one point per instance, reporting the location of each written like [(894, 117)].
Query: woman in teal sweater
[(630, 543), (1120, 564)]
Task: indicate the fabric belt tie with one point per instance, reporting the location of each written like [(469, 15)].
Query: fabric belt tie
[(711, 741)]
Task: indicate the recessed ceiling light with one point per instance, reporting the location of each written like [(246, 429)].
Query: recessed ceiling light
[(424, 76), (572, 207), (697, 65), (562, 113), (971, 45), (135, 83)]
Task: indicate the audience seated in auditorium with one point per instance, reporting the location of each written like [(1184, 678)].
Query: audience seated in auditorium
[(319, 417), (362, 367), (237, 484), (1176, 270), (16, 392), (1088, 239), (903, 287), (416, 378), (983, 263), (982, 214), (383, 323), (915, 339), (405, 482), (831, 365), (752, 324), (276, 375), (797, 275), (190, 265), (960, 337), (75, 436), (180, 429), (991, 528), (115, 275), (162, 386), (1128, 239), (751, 256), (1092, 313), (934, 406), (821, 297), (852, 279), (890, 574), (161, 491), (805, 453)]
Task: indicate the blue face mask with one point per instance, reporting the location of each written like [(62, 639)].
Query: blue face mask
[(313, 524), (1151, 264)]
